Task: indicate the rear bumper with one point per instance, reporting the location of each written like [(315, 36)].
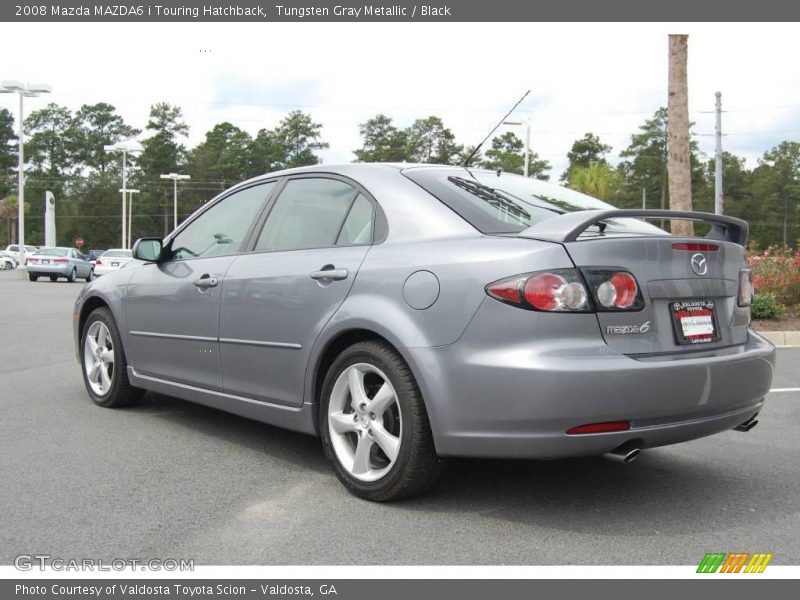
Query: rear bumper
[(60, 270), (517, 402)]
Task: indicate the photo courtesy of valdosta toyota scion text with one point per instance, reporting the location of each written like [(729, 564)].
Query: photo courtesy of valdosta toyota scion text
[(386, 299)]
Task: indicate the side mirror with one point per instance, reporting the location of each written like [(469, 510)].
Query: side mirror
[(148, 249)]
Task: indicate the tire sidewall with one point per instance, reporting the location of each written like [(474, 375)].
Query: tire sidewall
[(72, 276), (104, 315), (362, 354)]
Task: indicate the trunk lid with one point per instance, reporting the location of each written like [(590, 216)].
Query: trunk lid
[(683, 281), (669, 285)]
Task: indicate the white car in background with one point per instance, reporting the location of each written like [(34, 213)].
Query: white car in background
[(7, 261), (112, 260), (13, 250)]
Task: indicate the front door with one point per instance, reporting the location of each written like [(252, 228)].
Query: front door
[(173, 306)]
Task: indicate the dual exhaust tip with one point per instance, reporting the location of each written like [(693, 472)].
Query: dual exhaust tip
[(626, 453), (629, 452), (747, 425)]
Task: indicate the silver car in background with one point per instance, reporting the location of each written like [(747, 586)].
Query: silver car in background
[(406, 313), (112, 260), (56, 263), (7, 261)]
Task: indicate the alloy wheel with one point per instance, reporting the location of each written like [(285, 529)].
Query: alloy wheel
[(98, 358), (365, 422)]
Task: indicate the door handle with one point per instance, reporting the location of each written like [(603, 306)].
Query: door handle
[(330, 275), (205, 282)]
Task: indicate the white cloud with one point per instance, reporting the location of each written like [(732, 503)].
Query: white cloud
[(604, 78)]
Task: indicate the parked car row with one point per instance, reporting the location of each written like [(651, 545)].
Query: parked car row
[(63, 262)]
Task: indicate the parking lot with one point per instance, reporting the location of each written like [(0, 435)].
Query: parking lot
[(170, 479)]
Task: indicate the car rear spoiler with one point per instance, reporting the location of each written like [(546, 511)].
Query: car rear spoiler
[(569, 226)]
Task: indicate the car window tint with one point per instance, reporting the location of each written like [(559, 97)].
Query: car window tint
[(222, 228), (308, 214), (357, 228)]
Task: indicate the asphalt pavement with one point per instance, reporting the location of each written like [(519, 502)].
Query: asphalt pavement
[(169, 479)]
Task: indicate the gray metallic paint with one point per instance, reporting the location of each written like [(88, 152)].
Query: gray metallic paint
[(497, 380)]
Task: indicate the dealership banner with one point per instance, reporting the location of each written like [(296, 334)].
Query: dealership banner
[(398, 10), (377, 589)]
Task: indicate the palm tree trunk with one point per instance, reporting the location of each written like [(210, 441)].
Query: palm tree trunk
[(678, 160)]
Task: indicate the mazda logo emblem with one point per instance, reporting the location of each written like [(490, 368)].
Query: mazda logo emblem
[(699, 264)]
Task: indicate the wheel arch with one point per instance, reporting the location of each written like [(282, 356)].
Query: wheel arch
[(337, 342)]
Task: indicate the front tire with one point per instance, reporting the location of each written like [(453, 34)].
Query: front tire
[(374, 426), (53, 278), (103, 362), (72, 276), (90, 276)]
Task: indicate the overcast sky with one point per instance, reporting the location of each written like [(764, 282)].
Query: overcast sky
[(583, 77)]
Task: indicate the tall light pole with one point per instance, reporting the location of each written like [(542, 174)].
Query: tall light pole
[(719, 206), (175, 178), (130, 214), (527, 123), (129, 146), (23, 90)]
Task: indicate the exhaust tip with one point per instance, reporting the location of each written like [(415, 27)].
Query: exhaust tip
[(623, 454), (747, 425)]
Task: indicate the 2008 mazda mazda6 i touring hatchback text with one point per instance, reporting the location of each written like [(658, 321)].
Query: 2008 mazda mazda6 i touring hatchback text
[(405, 313)]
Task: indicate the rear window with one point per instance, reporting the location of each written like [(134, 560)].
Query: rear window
[(53, 251), (508, 203), (117, 254)]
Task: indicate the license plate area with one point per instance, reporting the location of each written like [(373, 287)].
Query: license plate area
[(694, 321), (45, 262), (114, 264)]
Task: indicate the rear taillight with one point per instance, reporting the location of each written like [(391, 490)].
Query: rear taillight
[(31, 261), (559, 290), (61, 260), (98, 262), (614, 290), (745, 297)]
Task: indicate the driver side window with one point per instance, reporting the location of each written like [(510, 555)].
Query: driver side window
[(221, 229)]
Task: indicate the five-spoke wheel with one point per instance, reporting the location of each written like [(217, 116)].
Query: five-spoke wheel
[(374, 425), (98, 357)]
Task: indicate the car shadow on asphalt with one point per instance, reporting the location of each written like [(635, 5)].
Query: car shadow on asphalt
[(679, 490)]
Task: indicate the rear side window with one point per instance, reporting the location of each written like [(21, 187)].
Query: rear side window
[(357, 227), (311, 213)]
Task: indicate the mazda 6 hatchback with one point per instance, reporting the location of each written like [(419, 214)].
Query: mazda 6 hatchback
[(408, 313)]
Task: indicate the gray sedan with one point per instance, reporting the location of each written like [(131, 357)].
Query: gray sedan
[(59, 262), (407, 313)]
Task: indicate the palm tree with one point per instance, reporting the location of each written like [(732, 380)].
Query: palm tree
[(597, 179), (679, 170), (8, 213)]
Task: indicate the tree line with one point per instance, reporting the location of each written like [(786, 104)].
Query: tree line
[(65, 154)]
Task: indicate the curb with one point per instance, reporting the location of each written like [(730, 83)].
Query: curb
[(782, 339)]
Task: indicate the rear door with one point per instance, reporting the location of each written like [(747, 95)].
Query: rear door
[(277, 298), (173, 305)]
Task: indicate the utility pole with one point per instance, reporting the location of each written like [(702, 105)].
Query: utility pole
[(719, 207), (644, 198), (175, 177), (527, 142)]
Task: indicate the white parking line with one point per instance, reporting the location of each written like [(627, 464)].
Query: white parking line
[(797, 389)]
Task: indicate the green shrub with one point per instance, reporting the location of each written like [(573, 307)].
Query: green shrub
[(766, 307)]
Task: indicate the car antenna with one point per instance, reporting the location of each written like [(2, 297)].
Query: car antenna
[(478, 147)]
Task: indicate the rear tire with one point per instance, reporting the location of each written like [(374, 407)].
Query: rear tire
[(387, 415), (103, 362), (90, 276), (53, 278), (72, 276), (33, 277)]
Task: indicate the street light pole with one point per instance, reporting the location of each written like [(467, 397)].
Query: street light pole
[(130, 214), (175, 177), (125, 146), (31, 91)]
